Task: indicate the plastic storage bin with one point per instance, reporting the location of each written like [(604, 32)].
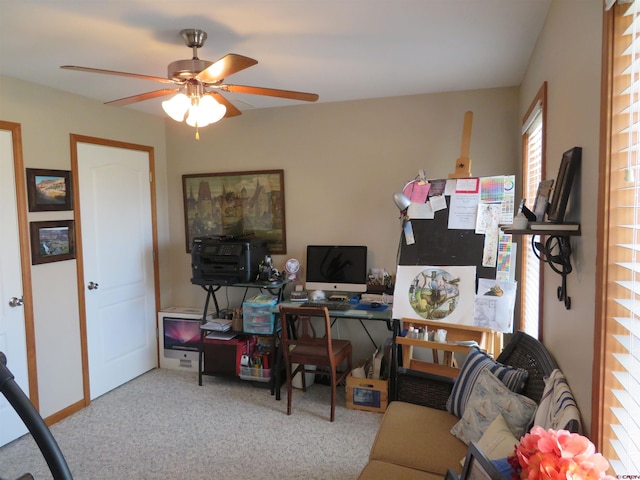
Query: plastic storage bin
[(255, 374), (257, 317)]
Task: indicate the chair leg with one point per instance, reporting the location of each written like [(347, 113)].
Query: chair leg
[(289, 387), (334, 376)]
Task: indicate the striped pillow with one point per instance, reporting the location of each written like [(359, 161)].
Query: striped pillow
[(513, 378), (557, 408)]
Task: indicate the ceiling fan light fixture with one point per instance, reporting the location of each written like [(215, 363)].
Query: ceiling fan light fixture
[(177, 106), (205, 111), (211, 110)]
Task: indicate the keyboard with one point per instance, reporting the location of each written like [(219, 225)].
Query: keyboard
[(329, 304)]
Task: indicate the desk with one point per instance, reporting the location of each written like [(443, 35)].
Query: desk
[(360, 315), (354, 313), (275, 288)]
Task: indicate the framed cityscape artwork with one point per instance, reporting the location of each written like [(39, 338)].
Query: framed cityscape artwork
[(237, 205)]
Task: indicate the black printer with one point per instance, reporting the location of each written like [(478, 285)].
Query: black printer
[(226, 260)]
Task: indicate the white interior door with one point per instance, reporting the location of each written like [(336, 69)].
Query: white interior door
[(117, 245), (12, 320)]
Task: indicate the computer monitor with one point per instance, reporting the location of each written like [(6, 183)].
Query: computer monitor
[(338, 268), (181, 337)]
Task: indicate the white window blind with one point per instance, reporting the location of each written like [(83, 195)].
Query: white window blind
[(530, 279), (621, 441)]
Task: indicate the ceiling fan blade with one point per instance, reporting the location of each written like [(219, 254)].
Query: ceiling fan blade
[(226, 66), (142, 96), (232, 111), (113, 72), (271, 92)]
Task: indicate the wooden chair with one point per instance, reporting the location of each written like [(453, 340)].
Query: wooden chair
[(308, 343)]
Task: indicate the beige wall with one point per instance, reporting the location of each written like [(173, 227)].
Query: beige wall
[(568, 58), (342, 162), (47, 117)]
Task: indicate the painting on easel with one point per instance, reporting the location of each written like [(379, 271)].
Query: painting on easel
[(435, 293)]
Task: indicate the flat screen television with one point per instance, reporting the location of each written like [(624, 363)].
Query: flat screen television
[(338, 268), (181, 338)]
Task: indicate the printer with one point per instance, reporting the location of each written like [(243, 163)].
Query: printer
[(226, 260)]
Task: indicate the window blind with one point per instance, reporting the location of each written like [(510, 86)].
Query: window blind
[(621, 397), (530, 279)]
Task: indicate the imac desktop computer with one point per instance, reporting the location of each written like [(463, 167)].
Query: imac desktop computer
[(337, 268), (180, 337)]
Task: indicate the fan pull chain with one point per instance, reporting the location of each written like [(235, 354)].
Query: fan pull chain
[(197, 133)]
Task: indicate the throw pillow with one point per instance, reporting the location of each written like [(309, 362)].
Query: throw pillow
[(497, 441), (489, 399), (514, 378), (557, 406)]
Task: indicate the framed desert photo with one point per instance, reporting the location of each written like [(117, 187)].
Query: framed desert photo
[(236, 204), (48, 190), (567, 171), (52, 241)]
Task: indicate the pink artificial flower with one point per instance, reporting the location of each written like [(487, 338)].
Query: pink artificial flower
[(557, 454)]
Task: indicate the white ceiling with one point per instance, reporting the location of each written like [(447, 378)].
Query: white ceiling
[(339, 49)]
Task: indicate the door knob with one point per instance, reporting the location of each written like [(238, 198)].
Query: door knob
[(92, 286), (16, 302)]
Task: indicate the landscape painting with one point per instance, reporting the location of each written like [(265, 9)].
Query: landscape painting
[(52, 241), (49, 190)]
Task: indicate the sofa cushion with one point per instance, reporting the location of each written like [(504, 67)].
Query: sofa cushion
[(497, 441), (418, 437), (514, 378), (557, 406), (490, 398), (377, 470)]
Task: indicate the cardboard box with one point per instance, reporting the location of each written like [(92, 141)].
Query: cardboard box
[(367, 394)]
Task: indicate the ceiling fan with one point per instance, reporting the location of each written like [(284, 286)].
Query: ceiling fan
[(198, 85)]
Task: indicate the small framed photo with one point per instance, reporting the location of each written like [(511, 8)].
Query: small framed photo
[(49, 190), (52, 241), (542, 199)]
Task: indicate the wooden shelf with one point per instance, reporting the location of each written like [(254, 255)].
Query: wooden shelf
[(529, 231), (559, 260)]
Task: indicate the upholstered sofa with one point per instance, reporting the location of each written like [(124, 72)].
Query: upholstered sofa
[(415, 442)]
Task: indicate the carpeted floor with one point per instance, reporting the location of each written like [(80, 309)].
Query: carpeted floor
[(162, 425)]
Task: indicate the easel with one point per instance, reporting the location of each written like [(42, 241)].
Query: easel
[(463, 164)]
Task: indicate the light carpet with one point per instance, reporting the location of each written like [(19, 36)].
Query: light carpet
[(162, 425)]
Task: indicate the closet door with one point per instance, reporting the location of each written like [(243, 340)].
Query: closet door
[(117, 237), (12, 310)]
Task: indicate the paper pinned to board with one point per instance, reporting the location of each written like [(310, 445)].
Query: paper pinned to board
[(420, 211)]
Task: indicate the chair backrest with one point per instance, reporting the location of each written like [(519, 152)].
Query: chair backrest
[(298, 329)]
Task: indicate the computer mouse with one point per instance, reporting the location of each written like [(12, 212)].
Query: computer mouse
[(375, 304)]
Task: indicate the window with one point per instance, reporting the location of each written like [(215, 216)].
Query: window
[(616, 391), (533, 160)]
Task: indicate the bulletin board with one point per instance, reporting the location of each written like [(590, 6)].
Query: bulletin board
[(436, 244), (460, 235)]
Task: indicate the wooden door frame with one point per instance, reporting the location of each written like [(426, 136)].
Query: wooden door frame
[(75, 139)]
